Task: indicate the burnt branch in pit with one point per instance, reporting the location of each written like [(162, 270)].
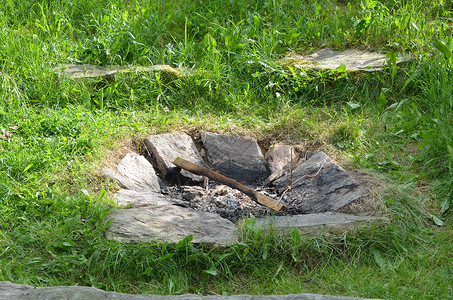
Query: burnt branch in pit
[(228, 202), (199, 170)]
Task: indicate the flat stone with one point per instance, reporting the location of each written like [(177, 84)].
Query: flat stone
[(353, 60), (134, 172), (318, 185), (133, 198), (235, 157), (314, 224), (93, 72), (12, 291), (166, 147), (170, 223)]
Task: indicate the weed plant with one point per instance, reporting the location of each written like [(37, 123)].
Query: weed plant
[(56, 133)]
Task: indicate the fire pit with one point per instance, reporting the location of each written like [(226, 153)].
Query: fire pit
[(236, 181)]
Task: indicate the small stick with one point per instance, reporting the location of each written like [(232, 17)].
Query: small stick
[(199, 170)]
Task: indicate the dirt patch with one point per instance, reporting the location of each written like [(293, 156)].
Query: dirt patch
[(371, 203)]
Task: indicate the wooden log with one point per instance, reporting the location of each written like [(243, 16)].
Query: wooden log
[(199, 170)]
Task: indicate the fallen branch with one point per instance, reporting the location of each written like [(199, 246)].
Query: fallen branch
[(199, 170)]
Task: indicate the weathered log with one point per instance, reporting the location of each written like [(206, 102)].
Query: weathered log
[(199, 170)]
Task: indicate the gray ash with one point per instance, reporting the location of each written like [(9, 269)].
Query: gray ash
[(222, 200)]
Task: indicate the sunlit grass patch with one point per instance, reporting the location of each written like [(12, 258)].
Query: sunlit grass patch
[(396, 124)]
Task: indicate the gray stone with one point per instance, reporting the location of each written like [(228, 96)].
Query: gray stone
[(133, 198), (170, 223), (279, 156), (318, 185), (166, 147), (354, 60), (281, 159), (92, 72), (314, 224), (236, 157), (135, 172), (12, 291)]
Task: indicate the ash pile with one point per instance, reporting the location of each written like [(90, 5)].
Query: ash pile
[(292, 181)]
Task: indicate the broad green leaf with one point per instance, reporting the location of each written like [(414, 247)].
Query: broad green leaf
[(444, 49), (228, 42), (184, 242), (445, 206), (438, 221), (256, 20), (341, 68), (353, 106), (211, 271), (380, 260)]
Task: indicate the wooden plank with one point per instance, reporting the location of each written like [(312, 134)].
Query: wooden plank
[(199, 170)]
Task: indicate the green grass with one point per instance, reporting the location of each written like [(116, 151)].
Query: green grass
[(397, 124)]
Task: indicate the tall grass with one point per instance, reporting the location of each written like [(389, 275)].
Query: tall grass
[(437, 142)]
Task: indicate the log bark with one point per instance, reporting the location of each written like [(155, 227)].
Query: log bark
[(199, 170)]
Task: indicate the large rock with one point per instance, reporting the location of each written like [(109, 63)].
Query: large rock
[(353, 60), (12, 291), (134, 172), (92, 72), (166, 147), (131, 198), (318, 185), (170, 223), (314, 224), (236, 157)]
